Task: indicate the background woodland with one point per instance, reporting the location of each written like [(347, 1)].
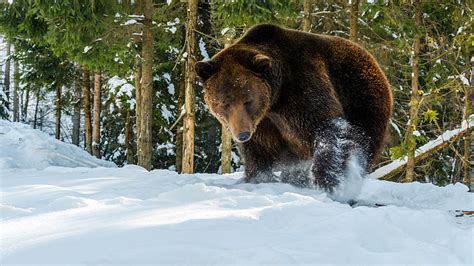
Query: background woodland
[(116, 77)]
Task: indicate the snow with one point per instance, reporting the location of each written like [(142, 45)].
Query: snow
[(171, 25), (171, 89), (224, 31), (462, 78), (25, 148), (130, 22), (202, 49), (91, 216), (121, 86), (87, 49), (166, 113)]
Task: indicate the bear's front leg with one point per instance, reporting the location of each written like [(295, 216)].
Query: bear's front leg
[(258, 163), (336, 143)]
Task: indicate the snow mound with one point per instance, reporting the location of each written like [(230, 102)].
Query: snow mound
[(128, 216), (24, 147)]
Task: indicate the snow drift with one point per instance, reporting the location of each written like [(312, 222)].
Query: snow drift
[(129, 216), (24, 147)]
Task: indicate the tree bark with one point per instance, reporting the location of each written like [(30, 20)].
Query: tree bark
[(35, 120), (146, 120), (467, 137), (76, 118), (226, 138), (138, 99), (41, 119), (179, 126), (86, 100), (24, 112), (414, 102), (353, 20), (7, 76), (96, 114), (16, 91), (58, 111), (129, 137), (189, 98), (307, 8), (138, 76)]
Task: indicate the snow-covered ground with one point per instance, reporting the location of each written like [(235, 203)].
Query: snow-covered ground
[(109, 215), (23, 147)]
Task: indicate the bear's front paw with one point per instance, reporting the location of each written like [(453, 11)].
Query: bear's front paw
[(324, 180)]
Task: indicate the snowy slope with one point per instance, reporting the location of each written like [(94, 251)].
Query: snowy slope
[(24, 147), (97, 216)]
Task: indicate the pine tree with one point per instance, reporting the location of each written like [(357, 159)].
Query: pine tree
[(189, 99), (146, 87), (179, 123), (353, 21), (96, 115), (128, 137), (76, 118), (58, 111), (467, 158), (307, 9), (86, 100), (6, 82), (16, 91), (137, 78), (226, 139), (415, 101)]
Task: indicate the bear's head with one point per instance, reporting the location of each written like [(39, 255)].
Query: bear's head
[(236, 89)]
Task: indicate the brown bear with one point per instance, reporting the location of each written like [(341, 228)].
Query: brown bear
[(298, 102)]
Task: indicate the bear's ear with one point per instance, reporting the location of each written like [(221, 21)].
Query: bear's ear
[(261, 63), (205, 69)]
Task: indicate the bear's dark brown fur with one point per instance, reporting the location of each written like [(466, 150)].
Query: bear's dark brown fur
[(286, 95)]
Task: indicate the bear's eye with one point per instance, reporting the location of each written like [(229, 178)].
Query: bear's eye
[(248, 105)]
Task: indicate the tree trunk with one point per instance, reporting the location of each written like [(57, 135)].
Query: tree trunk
[(16, 91), (6, 83), (226, 138), (96, 118), (179, 126), (189, 98), (58, 111), (86, 100), (129, 137), (146, 112), (353, 20), (41, 119), (35, 120), (307, 8), (467, 137), (138, 76), (24, 112), (414, 102), (76, 118)]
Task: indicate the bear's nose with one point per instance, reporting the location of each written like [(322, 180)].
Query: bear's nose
[(243, 136)]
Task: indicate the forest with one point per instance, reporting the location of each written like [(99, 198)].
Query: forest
[(117, 77)]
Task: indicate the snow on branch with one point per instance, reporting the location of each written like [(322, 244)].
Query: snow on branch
[(424, 151)]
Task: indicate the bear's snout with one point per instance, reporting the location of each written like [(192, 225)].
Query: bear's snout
[(240, 123), (243, 136)]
